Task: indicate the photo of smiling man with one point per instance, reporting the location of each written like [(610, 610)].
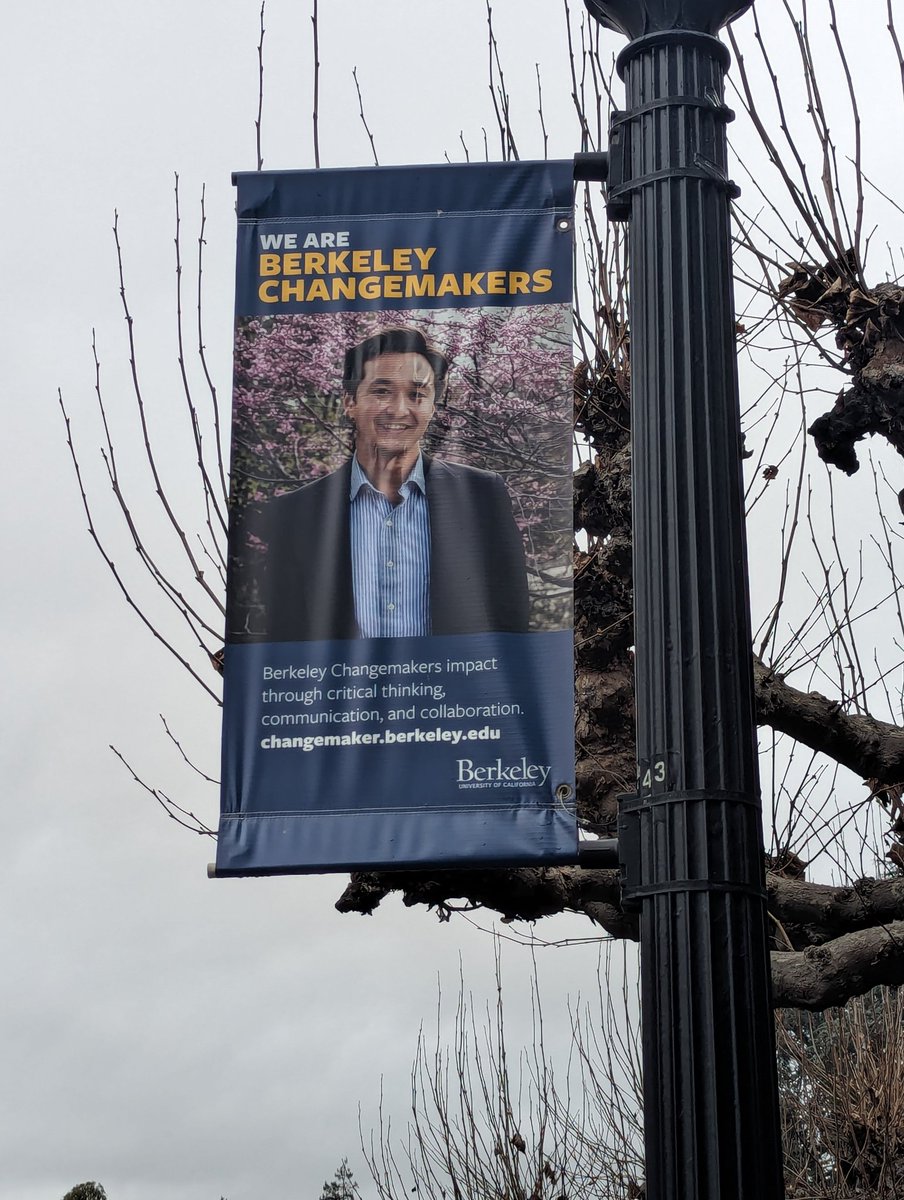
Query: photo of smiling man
[(395, 543)]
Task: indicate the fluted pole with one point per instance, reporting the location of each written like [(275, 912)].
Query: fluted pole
[(710, 1093)]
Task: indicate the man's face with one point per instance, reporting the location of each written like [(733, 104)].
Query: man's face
[(393, 404)]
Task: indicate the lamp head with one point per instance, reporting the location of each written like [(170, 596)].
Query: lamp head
[(636, 18)]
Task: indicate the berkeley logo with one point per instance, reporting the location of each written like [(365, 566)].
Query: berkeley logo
[(521, 771)]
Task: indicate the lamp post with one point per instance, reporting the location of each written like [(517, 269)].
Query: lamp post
[(691, 841)]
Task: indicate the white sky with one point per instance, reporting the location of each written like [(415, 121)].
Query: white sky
[(171, 1037)]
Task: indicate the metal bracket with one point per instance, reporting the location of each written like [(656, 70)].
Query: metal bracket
[(591, 167), (602, 854), (613, 168), (618, 202), (635, 825), (629, 842), (606, 167)]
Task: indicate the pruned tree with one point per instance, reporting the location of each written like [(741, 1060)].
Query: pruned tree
[(821, 339)]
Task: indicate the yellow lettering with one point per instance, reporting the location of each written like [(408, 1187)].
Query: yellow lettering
[(424, 256), (360, 261), (518, 281), (392, 287), (448, 286), (291, 291), (269, 264), (338, 261), (543, 280), (291, 264), (380, 263), (369, 287), (318, 290), (401, 260), (344, 288), (425, 285), (265, 291), (472, 283), (496, 283), (314, 263)]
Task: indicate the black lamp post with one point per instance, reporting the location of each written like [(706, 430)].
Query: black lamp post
[(691, 841)]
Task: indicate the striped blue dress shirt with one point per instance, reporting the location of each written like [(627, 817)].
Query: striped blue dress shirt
[(390, 556)]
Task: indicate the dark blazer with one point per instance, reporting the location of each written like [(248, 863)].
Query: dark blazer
[(478, 580)]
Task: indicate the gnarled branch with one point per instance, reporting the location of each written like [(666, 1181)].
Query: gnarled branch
[(873, 749), (822, 976)]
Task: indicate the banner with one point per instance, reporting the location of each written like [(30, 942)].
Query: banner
[(398, 664)]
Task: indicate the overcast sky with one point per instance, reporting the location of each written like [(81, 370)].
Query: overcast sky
[(172, 1037)]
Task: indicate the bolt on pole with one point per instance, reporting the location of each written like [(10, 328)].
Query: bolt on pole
[(691, 841)]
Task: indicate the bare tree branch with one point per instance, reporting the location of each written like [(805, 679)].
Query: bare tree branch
[(315, 114), (370, 136), (822, 976), (867, 746), (260, 91)]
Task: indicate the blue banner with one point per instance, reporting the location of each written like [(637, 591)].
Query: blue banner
[(398, 667)]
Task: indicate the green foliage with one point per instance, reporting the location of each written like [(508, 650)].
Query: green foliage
[(86, 1191), (343, 1186)]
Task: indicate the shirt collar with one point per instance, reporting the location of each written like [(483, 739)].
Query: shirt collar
[(359, 480)]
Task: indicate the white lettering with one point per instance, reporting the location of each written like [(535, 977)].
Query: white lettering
[(520, 772), (273, 241)]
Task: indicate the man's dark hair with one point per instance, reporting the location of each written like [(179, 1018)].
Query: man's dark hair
[(401, 340)]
